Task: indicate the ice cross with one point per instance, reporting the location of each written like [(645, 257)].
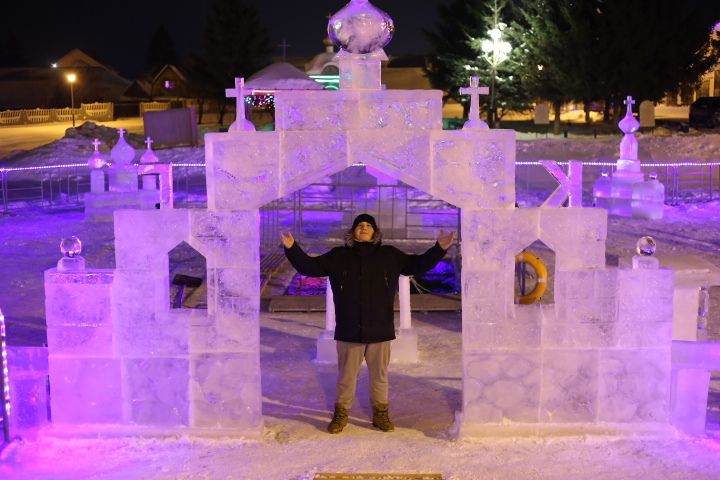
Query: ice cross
[(629, 102), (122, 132), (239, 92), (149, 142), (474, 90), (284, 46), (96, 143)]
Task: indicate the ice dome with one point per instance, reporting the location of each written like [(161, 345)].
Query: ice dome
[(360, 27)]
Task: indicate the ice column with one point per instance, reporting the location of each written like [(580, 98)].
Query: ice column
[(149, 182), (405, 345), (151, 168), (326, 351), (97, 174)]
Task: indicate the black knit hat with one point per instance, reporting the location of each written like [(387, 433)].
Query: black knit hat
[(364, 217)]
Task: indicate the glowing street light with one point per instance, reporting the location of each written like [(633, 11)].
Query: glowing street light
[(72, 78), (496, 51)]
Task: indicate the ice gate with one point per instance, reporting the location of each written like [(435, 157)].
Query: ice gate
[(122, 360)]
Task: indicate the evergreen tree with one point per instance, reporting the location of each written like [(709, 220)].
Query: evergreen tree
[(235, 44), (11, 54), (607, 49), (161, 51), (460, 31)]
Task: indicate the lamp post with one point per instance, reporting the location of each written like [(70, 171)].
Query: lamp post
[(496, 51), (71, 78)]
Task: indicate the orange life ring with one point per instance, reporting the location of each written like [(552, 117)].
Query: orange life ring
[(540, 285)]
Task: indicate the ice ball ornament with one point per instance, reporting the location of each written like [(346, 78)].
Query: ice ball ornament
[(71, 247), (646, 246), (361, 28)]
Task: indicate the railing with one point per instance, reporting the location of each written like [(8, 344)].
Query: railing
[(326, 209), (683, 180), (153, 107), (86, 111)]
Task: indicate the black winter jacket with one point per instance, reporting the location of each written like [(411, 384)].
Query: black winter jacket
[(364, 279)]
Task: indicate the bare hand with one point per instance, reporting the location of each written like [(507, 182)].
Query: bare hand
[(287, 239), (445, 240)]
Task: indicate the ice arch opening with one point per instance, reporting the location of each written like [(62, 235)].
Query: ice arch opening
[(187, 276)]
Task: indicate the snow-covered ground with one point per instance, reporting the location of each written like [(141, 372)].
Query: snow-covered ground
[(298, 394)]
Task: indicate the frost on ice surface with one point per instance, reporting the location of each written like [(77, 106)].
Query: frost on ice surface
[(474, 170), (157, 390), (308, 157), (402, 154), (226, 390), (570, 385), (86, 389), (502, 386), (242, 169), (402, 110), (634, 386)]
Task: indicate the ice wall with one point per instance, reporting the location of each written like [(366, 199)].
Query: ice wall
[(599, 356), (121, 357)]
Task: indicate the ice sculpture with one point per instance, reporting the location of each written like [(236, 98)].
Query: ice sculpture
[(645, 249), (97, 174), (648, 198), (621, 195), (241, 124), (474, 90), (123, 181), (360, 28), (598, 358), (71, 260)]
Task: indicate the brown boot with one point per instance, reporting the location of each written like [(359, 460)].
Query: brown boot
[(339, 420), (381, 419)]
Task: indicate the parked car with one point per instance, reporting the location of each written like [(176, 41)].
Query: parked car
[(705, 112)]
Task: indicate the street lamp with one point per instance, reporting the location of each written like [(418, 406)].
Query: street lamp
[(496, 51), (71, 78)]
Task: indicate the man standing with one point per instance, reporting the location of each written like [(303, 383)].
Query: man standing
[(364, 278)]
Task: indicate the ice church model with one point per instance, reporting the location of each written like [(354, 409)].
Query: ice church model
[(599, 358)]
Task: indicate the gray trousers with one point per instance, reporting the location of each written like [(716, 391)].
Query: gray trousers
[(350, 358)]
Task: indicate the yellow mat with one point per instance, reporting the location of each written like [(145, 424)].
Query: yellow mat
[(378, 476)]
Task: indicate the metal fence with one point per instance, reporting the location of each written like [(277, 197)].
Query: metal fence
[(325, 209)]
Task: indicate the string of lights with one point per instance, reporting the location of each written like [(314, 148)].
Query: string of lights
[(518, 164), (5, 381)]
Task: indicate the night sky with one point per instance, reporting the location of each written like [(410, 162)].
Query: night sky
[(119, 33)]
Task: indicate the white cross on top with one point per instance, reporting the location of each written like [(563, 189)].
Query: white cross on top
[(96, 143), (474, 90), (238, 93), (122, 132), (629, 101), (149, 142), (284, 46)]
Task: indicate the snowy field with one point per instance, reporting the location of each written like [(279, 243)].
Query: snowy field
[(298, 394)]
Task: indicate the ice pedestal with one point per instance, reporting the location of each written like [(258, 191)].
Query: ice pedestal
[(28, 374), (100, 207), (692, 363), (97, 180), (648, 199), (123, 178)]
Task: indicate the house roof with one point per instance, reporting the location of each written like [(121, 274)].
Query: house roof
[(282, 76), (48, 87)]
